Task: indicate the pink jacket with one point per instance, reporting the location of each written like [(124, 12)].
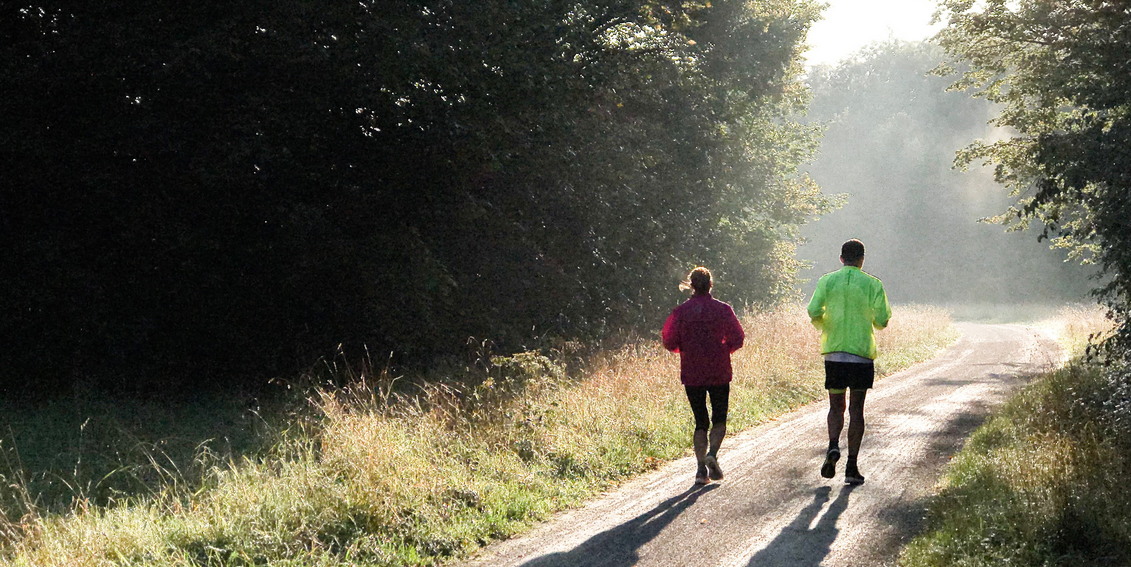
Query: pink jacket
[(704, 331)]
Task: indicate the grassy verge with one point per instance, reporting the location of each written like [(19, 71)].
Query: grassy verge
[(1043, 482), (370, 476)]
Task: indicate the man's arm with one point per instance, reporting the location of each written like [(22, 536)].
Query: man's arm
[(817, 304), (881, 308)]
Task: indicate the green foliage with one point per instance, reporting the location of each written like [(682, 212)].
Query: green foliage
[(100, 449), (364, 476), (891, 129), (1058, 70), (1042, 484), (243, 186)]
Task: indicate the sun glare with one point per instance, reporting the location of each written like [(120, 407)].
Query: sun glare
[(849, 25)]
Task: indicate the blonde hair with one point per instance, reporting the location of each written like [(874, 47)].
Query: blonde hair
[(699, 280)]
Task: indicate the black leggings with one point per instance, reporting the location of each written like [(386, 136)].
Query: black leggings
[(720, 403)]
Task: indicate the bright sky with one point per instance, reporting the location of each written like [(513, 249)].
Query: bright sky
[(849, 25)]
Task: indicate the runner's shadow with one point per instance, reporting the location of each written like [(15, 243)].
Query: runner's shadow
[(798, 545), (619, 546)]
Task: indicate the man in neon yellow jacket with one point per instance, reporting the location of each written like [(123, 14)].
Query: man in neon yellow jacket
[(847, 306)]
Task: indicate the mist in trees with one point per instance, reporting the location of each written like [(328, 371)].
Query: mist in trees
[(892, 131), (218, 192), (1060, 71)]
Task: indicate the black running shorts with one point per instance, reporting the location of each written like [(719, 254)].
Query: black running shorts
[(720, 404), (844, 375)]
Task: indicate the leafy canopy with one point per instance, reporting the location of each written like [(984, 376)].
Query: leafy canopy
[(219, 187), (1061, 69)]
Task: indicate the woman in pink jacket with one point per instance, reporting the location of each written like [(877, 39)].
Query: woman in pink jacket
[(704, 331)]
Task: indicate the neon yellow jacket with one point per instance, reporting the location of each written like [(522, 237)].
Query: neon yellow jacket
[(847, 306)]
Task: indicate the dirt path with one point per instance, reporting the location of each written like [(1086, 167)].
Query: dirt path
[(773, 508)]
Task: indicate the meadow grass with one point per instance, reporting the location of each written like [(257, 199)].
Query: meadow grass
[(1076, 327), (1043, 483), (95, 448), (379, 474)]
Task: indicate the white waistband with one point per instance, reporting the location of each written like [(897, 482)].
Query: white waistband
[(846, 357)]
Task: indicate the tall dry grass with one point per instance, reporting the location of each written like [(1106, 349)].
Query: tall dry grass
[(375, 475), (1077, 326)]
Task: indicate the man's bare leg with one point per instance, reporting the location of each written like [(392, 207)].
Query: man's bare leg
[(855, 434), (836, 424), (835, 419)]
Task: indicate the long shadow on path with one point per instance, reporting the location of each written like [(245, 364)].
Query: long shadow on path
[(798, 545), (619, 547)]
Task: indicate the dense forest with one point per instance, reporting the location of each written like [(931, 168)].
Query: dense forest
[(220, 192), (891, 132)]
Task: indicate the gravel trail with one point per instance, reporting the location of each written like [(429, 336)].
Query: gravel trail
[(773, 508)]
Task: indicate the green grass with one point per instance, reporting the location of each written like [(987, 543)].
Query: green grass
[(1044, 483), (375, 474), (96, 449)]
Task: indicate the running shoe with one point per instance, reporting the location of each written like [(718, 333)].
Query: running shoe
[(701, 475), (713, 469), (852, 475), (828, 470)]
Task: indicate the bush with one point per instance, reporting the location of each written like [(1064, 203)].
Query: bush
[(1042, 484)]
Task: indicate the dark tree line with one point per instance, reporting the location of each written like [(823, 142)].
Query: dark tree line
[(201, 192)]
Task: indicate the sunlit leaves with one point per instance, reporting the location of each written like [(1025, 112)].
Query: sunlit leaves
[(1062, 70)]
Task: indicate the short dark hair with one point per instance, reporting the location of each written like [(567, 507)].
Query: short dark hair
[(852, 251), (698, 280)]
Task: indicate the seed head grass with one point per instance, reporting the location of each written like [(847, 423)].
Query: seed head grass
[(378, 473), (1078, 326)]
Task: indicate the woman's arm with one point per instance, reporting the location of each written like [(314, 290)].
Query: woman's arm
[(735, 336), (670, 334)]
